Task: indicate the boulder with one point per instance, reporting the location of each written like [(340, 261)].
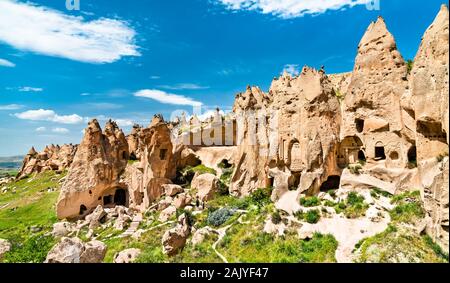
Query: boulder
[(175, 239), (127, 256), (206, 185), (167, 213), (182, 200), (96, 217), (200, 235), (61, 229), (171, 190), (73, 250), (5, 247)]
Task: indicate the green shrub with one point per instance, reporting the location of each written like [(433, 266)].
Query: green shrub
[(353, 198), (310, 201), (261, 197), (436, 248), (312, 216), (332, 193), (219, 216), (355, 169), (409, 65), (329, 203), (276, 217)]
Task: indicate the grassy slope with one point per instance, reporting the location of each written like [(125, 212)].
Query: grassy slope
[(29, 204)]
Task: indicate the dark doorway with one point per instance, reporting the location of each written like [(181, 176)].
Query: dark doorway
[(120, 197), (359, 125), (332, 183), (162, 154), (225, 164), (83, 209), (379, 153), (412, 154), (107, 200), (361, 156)]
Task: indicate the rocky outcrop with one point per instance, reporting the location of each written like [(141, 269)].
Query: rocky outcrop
[(94, 177), (156, 167), (207, 186), (127, 256), (251, 157), (56, 158), (73, 250), (373, 124), (175, 239), (5, 247), (429, 89)]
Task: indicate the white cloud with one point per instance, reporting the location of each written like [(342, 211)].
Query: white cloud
[(42, 30), (155, 77), (6, 63), (11, 107), (60, 130), (85, 94), (123, 122), (49, 115), (41, 129), (30, 89), (291, 8), (167, 98), (185, 86), (291, 69)]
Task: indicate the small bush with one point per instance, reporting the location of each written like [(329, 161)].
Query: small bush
[(329, 203), (332, 193), (355, 169), (310, 201), (436, 248), (353, 198), (219, 217), (276, 217), (312, 216), (261, 197)]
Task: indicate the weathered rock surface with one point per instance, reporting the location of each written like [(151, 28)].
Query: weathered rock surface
[(175, 239), (56, 158), (73, 250), (206, 185), (127, 256), (94, 177), (5, 247)]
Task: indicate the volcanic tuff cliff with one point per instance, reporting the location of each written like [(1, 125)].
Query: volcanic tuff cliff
[(382, 125)]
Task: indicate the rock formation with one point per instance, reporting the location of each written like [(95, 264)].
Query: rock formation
[(429, 89), (57, 158), (175, 239), (94, 177), (156, 166), (73, 250)]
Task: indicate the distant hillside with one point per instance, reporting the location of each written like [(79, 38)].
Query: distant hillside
[(12, 162)]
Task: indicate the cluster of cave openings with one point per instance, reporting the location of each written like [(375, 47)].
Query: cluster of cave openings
[(380, 153), (432, 131), (332, 183), (119, 198)]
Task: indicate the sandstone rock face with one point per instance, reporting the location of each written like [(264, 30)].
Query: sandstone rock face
[(73, 250), (61, 229), (94, 177), (156, 166), (251, 158), (5, 247), (57, 158), (429, 85), (175, 239), (171, 190), (308, 150), (206, 185), (373, 124), (127, 256)]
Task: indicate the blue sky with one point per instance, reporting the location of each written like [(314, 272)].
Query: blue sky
[(128, 60)]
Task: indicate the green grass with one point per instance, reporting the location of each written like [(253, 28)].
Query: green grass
[(355, 206), (6, 173), (397, 245), (201, 169), (246, 243), (408, 207), (30, 205), (310, 201), (311, 216)]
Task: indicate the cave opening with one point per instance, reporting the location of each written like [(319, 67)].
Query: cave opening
[(162, 154), (332, 183), (361, 156), (120, 197), (412, 154), (83, 209), (359, 125), (107, 200), (380, 154)]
